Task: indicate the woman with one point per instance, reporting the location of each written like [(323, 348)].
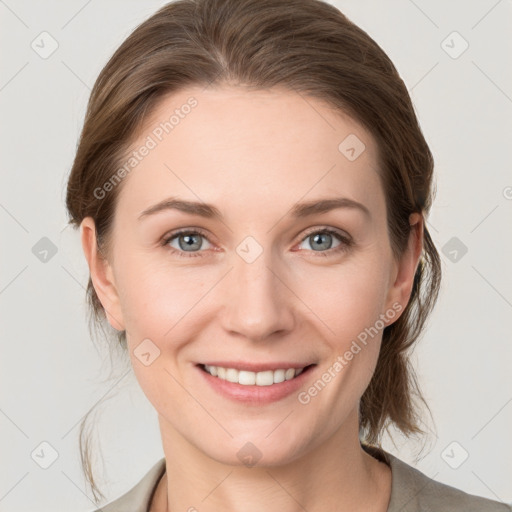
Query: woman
[(251, 187)]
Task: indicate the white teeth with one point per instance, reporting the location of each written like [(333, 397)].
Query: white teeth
[(289, 374), (232, 375), (246, 378), (279, 376), (266, 378)]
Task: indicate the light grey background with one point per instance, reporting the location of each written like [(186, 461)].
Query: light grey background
[(51, 373)]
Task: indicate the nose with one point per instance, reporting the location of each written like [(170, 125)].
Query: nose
[(257, 302)]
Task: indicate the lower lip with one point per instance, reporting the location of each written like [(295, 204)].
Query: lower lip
[(256, 394)]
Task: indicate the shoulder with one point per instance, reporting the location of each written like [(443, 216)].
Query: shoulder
[(413, 491), (137, 499)]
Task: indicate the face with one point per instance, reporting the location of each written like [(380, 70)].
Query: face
[(254, 276)]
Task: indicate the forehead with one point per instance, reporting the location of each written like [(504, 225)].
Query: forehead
[(250, 144)]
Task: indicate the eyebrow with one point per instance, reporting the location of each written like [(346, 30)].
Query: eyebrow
[(299, 210)]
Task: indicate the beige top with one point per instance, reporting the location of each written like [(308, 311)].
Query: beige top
[(411, 491)]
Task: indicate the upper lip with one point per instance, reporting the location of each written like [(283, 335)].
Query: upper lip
[(256, 367)]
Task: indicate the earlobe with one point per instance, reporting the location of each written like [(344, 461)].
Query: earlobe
[(101, 274), (401, 288)]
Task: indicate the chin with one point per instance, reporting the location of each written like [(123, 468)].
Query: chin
[(257, 451)]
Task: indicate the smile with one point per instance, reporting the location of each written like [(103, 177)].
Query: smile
[(248, 378)]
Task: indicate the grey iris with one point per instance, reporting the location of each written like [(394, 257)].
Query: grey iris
[(321, 240), (190, 244)]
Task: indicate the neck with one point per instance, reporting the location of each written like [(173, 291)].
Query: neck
[(336, 475)]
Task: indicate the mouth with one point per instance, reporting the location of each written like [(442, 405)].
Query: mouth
[(247, 377)]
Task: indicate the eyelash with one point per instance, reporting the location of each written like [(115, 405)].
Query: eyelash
[(345, 245)]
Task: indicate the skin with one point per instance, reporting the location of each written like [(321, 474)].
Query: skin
[(254, 155)]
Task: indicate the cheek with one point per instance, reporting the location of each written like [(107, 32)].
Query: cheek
[(155, 293), (155, 296), (347, 299), (157, 305)]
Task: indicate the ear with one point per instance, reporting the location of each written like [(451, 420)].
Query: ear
[(402, 277), (101, 274)]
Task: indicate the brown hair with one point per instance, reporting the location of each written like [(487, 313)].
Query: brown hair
[(307, 46)]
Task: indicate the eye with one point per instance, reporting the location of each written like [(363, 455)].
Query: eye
[(188, 241), (321, 241)]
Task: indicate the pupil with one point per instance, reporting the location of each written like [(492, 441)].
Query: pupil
[(319, 237), (190, 242)]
